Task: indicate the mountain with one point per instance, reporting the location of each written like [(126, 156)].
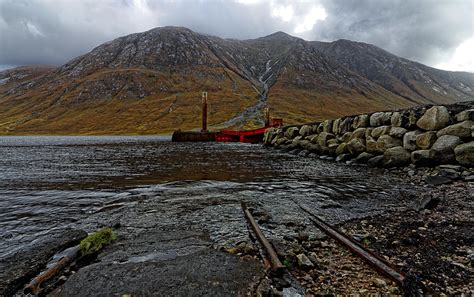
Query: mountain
[(151, 82)]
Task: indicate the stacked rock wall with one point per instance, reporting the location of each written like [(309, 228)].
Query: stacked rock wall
[(424, 136)]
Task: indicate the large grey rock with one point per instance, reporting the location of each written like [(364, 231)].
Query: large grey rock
[(371, 146), (323, 137), (363, 157), (345, 126), (462, 130), (376, 161), (396, 156), (442, 150), (360, 121), (397, 132), (368, 131), (386, 141), (406, 119), (327, 126), (306, 130), (356, 146), (313, 138), (435, 118), (292, 132), (379, 131), (358, 133), (409, 140), (346, 137), (280, 141), (380, 119), (465, 153), (342, 149), (466, 115), (335, 125), (422, 158), (425, 140)]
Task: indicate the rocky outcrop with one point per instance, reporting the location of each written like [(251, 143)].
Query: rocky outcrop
[(423, 136)]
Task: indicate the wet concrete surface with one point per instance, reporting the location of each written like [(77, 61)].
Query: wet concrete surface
[(177, 205)]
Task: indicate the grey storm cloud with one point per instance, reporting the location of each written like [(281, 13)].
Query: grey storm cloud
[(433, 32)]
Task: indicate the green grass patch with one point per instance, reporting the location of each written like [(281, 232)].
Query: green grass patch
[(96, 241)]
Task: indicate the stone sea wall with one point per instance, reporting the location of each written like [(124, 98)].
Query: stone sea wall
[(423, 136)]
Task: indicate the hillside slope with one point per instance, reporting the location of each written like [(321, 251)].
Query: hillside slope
[(151, 82)]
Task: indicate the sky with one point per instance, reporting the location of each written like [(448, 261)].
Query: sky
[(438, 33)]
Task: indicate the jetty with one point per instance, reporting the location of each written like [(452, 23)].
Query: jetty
[(225, 135)]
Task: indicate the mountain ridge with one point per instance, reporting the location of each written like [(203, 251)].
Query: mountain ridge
[(150, 82)]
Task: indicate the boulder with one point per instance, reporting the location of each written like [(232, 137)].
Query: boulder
[(397, 132), (396, 156), (379, 131), (356, 146), (442, 150), (314, 129), (465, 153), (425, 140), (268, 135), (323, 137), (292, 132), (371, 146), (466, 115), (314, 138), (409, 140), (399, 119), (320, 128), (360, 121), (435, 118), (380, 119), (386, 141), (421, 158), (346, 137), (358, 133), (313, 148), (306, 130), (343, 157), (335, 125), (341, 149), (376, 161), (281, 141), (462, 129), (345, 126), (368, 132), (327, 126), (363, 157)]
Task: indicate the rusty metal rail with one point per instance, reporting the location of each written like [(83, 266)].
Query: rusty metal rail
[(276, 265), (378, 263)]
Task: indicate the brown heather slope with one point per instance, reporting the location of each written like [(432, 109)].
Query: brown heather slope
[(150, 82)]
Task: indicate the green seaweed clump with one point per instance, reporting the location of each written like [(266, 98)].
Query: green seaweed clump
[(96, 241)]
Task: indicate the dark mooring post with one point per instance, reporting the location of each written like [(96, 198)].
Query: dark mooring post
[(204, 112), (266, 115)]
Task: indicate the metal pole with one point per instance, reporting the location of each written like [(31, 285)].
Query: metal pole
[(204, 112)]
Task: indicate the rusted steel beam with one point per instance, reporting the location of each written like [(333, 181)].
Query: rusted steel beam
[(378, 263), (276, 265), (33, 287)]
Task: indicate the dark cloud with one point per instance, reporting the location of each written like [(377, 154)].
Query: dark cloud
[(52, 32)]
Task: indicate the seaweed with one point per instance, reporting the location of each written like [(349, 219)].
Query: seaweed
[(96, 241)]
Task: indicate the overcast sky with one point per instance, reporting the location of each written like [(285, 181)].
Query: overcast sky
[(439, 33)]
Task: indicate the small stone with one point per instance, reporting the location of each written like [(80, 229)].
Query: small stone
[(379, 283), (303, 261), (437, 180)]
